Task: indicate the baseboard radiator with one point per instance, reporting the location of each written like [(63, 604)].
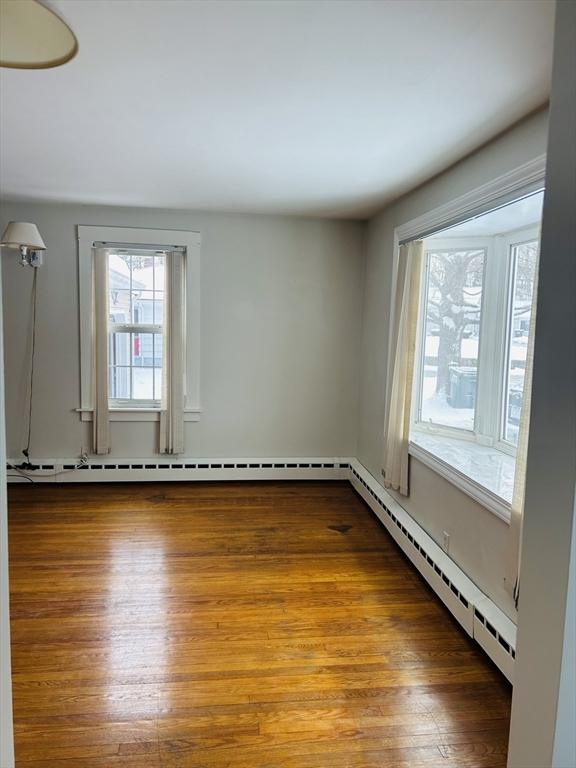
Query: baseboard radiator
[(138, 470), (477, 614)]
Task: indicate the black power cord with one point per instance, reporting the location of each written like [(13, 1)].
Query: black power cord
[(27, 465)]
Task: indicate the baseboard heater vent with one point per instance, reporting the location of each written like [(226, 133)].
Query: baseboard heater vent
[(137, 470), (479, 616), (218, 465)]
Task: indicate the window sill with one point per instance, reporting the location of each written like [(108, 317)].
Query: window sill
[(138, 414), (483, 473)]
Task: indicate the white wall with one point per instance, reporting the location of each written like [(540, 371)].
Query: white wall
[(564, 749), (542, 730), (6, 735), (478, 538), (281, 313)]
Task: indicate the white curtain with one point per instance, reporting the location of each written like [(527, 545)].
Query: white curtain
[(401, 367), (172, 409), (101, 420), (517, 512)]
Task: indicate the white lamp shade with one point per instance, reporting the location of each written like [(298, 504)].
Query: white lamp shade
[(33, 36), (22, 233)]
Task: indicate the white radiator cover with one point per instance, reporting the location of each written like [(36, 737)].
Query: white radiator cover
[(479, 615), (185, 469)]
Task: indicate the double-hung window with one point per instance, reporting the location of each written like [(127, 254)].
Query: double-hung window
[(475, 320), (136, 327), (139, 330)]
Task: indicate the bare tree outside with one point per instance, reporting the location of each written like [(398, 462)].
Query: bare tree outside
[(452, 315), (137, 261), (454, 304), (454, 286)]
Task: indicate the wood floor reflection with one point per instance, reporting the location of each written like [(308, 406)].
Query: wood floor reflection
[(256, 625)]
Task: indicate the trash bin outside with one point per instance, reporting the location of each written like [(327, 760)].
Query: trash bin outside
[(514, 406), (462, 392)]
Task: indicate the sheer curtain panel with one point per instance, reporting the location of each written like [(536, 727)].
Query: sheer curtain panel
[(401, 355), (101, 418), (173, 367), (517, 511)]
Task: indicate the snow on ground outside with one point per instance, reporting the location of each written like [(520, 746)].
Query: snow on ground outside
[(469, 348)]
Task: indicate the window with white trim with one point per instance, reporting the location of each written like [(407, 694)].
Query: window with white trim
[(523, 256), (475, 309), (136, 325)]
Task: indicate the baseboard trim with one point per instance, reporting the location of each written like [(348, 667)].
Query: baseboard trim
[(477, 614), (107, 469)]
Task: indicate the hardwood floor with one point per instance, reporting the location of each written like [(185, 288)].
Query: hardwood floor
[(270, 625)]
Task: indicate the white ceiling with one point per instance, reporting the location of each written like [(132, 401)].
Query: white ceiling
[(329, 107)]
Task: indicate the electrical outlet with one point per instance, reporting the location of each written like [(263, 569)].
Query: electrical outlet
[(36, 258), (446, 541)]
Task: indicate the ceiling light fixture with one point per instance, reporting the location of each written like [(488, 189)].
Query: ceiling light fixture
[(33, 36), (24, 236)]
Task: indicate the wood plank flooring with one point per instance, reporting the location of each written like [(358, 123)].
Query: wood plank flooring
[(255, 625)]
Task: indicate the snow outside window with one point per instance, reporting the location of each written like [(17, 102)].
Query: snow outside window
[(474, 324), (452, 315)]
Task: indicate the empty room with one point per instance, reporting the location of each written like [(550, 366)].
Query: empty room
[(287, 383)]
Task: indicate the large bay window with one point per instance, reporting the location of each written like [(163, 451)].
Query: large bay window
[(474, 327)]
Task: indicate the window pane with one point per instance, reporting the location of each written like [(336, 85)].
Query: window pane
[(146, 350), (119, 306), (159, 262), (119, 348), (451, 337), (119, 382), (142, 270), (143, 383), (523, 272), (158, 349), (159, 307), (158, 383), (143, 307), (118, 272)]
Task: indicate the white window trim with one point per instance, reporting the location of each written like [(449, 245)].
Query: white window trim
[(505, 242), (523, 180), (137, 414), (484, 496), (492, 352), (156, 238)]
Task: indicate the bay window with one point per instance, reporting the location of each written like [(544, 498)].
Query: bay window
[(478, 283)]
